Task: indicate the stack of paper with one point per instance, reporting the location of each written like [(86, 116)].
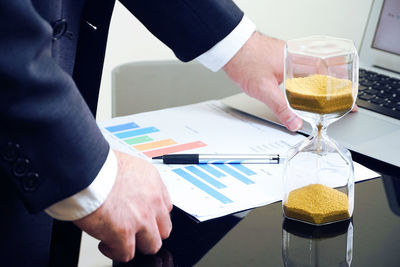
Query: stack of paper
[(209, 191)]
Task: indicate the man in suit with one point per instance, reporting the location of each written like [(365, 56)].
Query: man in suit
[(55, 163)]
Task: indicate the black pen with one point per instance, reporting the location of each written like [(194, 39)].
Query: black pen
[(220, 158)]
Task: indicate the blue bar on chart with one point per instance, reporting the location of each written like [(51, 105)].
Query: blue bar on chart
[(212, 170), (205, 188), (243, 169), (234, 173), (122, 127), (137, 132), (205, 177)]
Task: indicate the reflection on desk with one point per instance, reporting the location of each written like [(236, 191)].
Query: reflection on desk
[(188, 243), (262, 238), (309, 245), (392, 189)]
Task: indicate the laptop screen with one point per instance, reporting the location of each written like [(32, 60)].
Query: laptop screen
[(387, 35)]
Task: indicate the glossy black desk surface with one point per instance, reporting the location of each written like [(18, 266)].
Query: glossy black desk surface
[(257, 239)]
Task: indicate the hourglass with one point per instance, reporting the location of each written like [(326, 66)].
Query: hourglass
[(321, 84)]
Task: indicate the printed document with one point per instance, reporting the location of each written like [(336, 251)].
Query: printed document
[(207, 191)]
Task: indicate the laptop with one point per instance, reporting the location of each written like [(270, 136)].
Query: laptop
[(375, 129)]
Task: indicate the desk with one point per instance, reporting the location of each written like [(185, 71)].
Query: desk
[(255, 238)]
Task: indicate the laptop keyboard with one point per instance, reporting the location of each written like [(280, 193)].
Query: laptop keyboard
[(379, 93)]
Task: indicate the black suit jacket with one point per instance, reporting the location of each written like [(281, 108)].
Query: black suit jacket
[(51, 58)]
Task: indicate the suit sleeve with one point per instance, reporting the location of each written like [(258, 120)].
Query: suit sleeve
[(188, 27), (50, 145)]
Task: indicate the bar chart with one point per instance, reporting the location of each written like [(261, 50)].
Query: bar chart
[(205, 191), (207, 176), (141, 140)]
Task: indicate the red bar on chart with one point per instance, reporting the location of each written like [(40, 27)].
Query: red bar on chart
[(173, 149)]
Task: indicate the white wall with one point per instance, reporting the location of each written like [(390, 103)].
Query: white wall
[(129, 41)]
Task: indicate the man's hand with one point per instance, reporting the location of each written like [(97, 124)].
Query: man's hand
[(134, 215), (258, 69)]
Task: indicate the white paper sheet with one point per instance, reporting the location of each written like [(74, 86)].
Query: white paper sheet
[(210, 191)]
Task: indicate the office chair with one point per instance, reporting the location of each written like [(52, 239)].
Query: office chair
[(145, 86)]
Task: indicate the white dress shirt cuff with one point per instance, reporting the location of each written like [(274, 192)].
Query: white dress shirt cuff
[(89, 199), (215, 58)]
